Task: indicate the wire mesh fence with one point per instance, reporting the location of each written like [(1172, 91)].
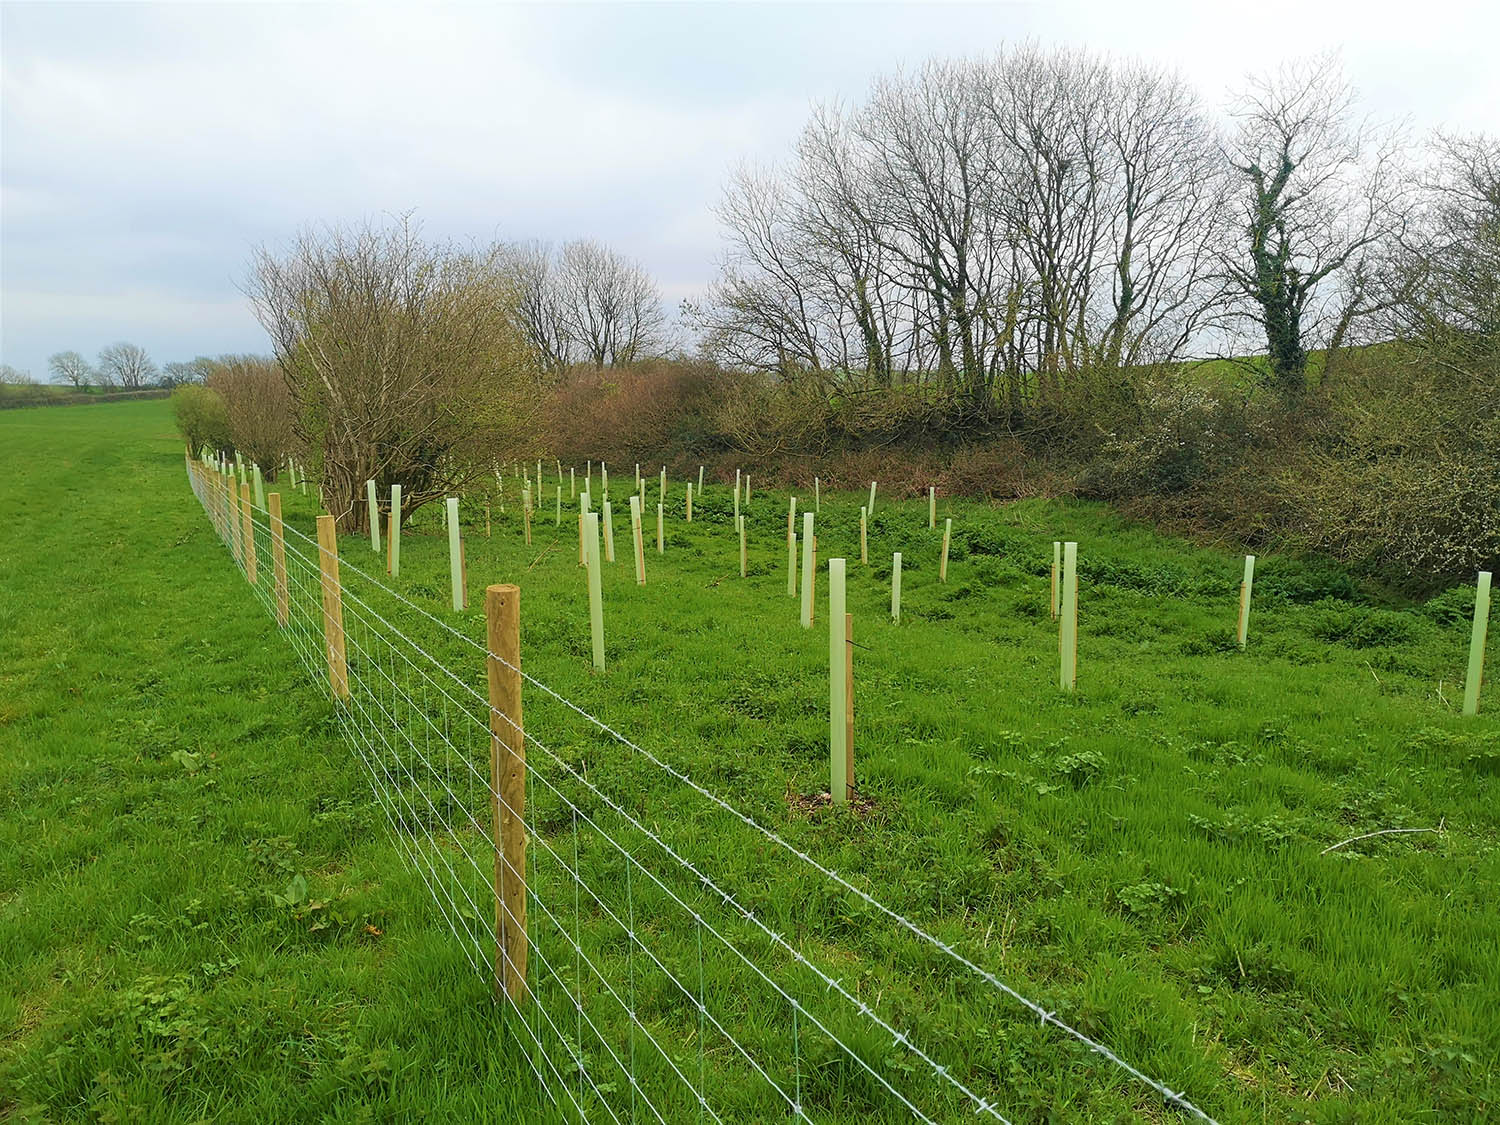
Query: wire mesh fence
[(660, 975)]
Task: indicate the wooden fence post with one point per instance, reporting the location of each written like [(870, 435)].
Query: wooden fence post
[(807, 569), (455, 554), (247, 533), (374, 516), (333, 608), (896, 587), (947, 539), (596, 590), (838, 685), (1067, 634), (502, 612), (278, 559), (1246, 584), (1475, 674)]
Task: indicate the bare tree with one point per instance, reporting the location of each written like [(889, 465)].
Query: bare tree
[(126, 365), (70, 368), (610, 305), (405, 360), (1319, 194), (539, 304), (258, 408), (195, 370), (14, 376)]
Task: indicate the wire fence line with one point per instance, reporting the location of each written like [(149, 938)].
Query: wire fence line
[(662, 982)]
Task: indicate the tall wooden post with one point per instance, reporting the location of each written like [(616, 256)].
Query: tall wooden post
[(247, 533), (333, 608), (838, 685), (1476, 644), (502, 612), (278, 559)]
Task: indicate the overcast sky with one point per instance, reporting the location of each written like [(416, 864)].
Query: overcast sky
[(145, 148)]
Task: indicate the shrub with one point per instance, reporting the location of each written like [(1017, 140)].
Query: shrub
[(201, 418)]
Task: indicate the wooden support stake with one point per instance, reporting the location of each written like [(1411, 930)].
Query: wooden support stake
[(640, 547), (848, 701), (943, 562), (791, 562), (1067, 634), (596, 594), (1246, 584), (896, 587), (864, 538), (502, 612), (838, 684), (333, 608), (393, 535), (375, 516), (463, 571), (455, 554), (278, 559), (807, 569), (1475, 674), (247, 533)]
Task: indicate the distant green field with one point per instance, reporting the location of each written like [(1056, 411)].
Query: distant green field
[(1144, 857)]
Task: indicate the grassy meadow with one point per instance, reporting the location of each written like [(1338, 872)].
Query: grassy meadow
[(1145, 856)]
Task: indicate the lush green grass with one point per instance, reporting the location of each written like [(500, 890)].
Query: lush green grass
[(1142, 856)]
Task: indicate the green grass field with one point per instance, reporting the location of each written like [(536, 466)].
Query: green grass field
[(1143, 857)]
